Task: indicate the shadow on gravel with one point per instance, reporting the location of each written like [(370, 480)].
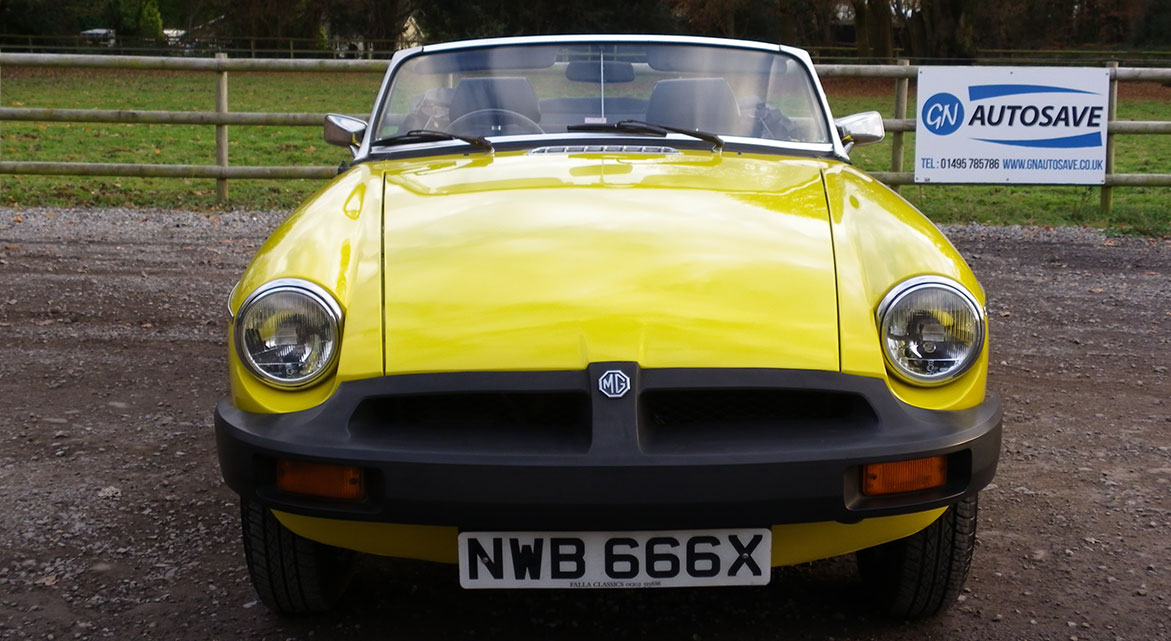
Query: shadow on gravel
[(399, 599)]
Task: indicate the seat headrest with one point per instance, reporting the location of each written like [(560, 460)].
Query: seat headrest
[(512, 94), (695, 103)]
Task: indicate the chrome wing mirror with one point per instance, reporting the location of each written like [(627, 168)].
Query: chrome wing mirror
[(860, 129), (345, 131)]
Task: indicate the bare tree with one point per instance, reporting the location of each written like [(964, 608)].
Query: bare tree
[(943, 29), (713, 17), (873, 28), (370, 19)]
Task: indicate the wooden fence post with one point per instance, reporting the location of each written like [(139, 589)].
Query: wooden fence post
[(896, 141), (1107, 201), (221, 131)]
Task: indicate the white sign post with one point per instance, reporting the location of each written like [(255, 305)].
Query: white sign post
[(1039, 125)]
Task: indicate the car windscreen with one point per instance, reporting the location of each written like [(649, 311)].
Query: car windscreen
[(543, 88)]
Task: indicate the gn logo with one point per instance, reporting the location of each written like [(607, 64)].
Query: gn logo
[(943, 114), (614, 383)]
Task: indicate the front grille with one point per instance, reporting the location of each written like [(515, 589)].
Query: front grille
[(661, 417), (748, 419), (478, 422)]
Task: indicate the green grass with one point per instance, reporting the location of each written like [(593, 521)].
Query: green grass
[(169, 144), (1136, 210)]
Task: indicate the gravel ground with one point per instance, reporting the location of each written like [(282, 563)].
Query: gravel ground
[(116, 524)]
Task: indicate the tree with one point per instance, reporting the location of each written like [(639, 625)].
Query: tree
[(149, 22), (443, 20), (269, 18), (713, 17), (186, 14), (808, 22), (370, 19), (873, 28), (48, 17), (943, 29), (1152, 25), (139, 18)]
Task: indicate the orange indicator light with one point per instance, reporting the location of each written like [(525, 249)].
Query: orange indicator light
[(318, 479), (904, 476)]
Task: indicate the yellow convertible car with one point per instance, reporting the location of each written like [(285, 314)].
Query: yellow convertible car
[(607, 312)]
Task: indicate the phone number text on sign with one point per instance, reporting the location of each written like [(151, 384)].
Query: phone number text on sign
[(960, 163)]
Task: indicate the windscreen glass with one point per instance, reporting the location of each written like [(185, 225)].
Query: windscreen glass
[(541, 88)]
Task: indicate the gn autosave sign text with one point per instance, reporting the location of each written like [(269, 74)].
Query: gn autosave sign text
[(1011, 124)]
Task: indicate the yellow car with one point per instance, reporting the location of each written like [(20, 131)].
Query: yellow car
[(607, 312)]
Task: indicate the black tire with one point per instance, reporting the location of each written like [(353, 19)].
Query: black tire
[(922, 574), (291, 574)]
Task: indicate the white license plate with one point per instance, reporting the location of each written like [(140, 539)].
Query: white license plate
[(614, 559)]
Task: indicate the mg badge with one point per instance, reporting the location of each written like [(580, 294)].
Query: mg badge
[(614, 383)]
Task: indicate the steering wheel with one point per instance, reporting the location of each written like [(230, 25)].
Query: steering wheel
[(771, 123), (493, 122)]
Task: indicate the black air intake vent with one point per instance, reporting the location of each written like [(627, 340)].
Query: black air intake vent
[(687, 421), (479, 422)]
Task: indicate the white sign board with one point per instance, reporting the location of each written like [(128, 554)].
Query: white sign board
[(1040, 125)]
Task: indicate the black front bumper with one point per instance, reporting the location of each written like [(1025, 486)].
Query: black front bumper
[(681, 448)]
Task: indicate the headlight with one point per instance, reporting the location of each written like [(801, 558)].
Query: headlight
[(932, 330), (288, 333)]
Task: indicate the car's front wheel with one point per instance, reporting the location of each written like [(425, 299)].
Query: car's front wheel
[(291, 574), (921, 574)]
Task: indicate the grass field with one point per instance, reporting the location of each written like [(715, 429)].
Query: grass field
[(170, 144), (1136, 210)]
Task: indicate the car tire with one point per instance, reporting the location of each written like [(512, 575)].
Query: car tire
[(922, 574), (291, 574)]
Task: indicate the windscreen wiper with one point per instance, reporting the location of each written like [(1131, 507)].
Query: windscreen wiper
[(644, 127), (431, 135)]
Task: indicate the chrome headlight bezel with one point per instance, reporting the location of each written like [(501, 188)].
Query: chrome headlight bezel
[(311, 292), (898, 295)]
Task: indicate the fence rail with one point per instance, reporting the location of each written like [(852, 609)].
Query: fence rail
[(221, 65), (130, 116), (161, 171)]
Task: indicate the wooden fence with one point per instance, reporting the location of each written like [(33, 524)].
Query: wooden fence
[(221, 65)]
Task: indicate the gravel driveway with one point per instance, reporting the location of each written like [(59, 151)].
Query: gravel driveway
[(115, 523)]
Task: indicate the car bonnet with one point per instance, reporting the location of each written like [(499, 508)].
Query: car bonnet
[(553, 261)]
